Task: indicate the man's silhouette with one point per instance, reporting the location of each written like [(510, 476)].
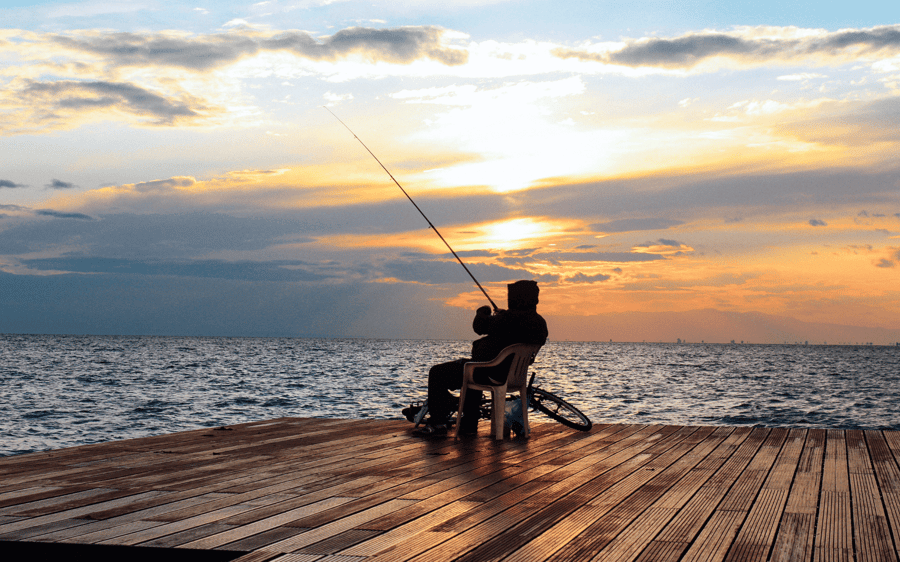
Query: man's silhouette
[(519, 324)]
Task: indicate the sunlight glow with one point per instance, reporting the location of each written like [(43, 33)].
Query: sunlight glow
[(514, 230)]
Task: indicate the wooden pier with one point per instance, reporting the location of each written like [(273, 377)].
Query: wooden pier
[(328, 490)]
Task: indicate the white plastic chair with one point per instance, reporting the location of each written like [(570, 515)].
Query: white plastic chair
[(516, 381)]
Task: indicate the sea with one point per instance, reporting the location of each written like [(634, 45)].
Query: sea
[(62, 391)]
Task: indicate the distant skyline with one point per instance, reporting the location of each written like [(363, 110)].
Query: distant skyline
[(694, 170)]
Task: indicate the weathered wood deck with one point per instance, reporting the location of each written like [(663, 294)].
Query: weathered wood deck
[(297, 490)]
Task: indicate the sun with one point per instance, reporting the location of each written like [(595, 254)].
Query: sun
[(513, 230)]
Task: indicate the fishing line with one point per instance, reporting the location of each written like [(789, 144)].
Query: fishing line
[(430, 224)]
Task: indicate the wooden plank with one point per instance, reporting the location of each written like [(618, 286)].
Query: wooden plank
[(14, 497), (619, 505), (485, 503), (334, 528), (217, 516), (556, 503), (797, 527), (729, 516), (418, 541), (381, 541), (834, 540), (757, 535), (888, 475), (716, 537), (49, 500), (99, 530), (638, 536), (872, 536), (187, 535), (450, 492), (282, 519), (719, 471), (29, 533), (72, 513)]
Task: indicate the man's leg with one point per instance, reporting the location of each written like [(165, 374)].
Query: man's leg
[(448, 376), (442, 378)]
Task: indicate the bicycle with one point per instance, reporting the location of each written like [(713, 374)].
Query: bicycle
[(538, 399)]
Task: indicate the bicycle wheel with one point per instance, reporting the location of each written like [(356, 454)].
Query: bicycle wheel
[(559, 409)]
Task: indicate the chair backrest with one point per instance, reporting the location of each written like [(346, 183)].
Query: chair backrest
[(518, 369)]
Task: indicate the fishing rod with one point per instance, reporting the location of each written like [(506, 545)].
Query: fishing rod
[(430, 224)]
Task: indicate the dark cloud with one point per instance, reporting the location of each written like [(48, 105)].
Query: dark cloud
[(473, 254), (582, 278), (684, 51), (885, 263), (521, 252), (437, 272), (59, 184), (134, 304), (61, 215), (700, 197), (662, 242), (171, 237), (689, 50), (66, 96), (622, 257), (397, 45), (162, 186), (277, 270), (870, 40), (10, 184), (817, 222), (629, 225)]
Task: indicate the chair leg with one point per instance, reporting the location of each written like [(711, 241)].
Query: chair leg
[(498, 412), (523, 396), (459, 409)]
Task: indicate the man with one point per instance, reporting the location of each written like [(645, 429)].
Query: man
[(520, 324)]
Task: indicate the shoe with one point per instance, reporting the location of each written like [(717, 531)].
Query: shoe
[(411, 412), (429, 430)]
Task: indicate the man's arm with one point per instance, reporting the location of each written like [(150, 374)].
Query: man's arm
[(485, 322)]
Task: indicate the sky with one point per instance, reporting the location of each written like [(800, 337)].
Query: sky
[(709, 171)]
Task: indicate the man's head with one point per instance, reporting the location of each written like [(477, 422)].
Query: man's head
[(522, 295)]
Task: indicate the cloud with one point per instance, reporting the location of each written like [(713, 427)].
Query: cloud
[(851, 123), (582, 278), (59, 184), (61, 215), (754, 45), (10, 184), (885, 263), (54, 101), (800, 77), (696, 197), (156, 236), (663, 246), (275, 270), (175, 305), (623, 257), (401, 45), (629, 225), (436, 272), (817, 222)]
